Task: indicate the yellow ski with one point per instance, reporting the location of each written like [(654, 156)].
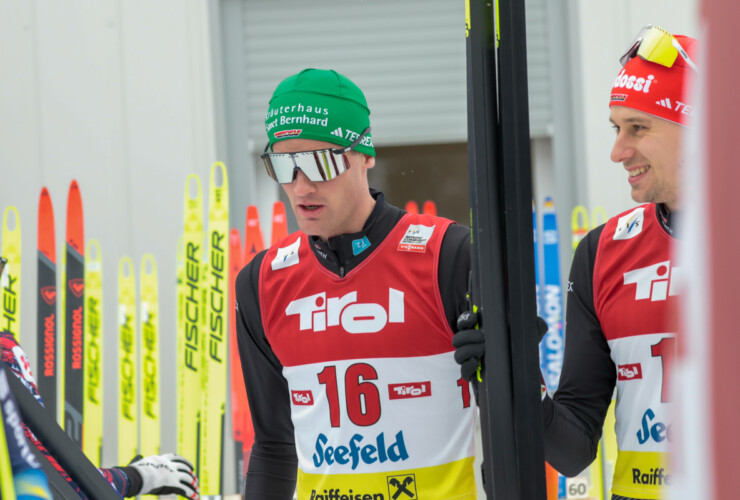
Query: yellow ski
[(128, 436), (594, 482), (92, 398), (216, 334), (578, 225), (188, 337), (598, 217), (11, 279), (149, 366)]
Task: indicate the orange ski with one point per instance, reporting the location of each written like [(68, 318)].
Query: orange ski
[(279, 222), (412, 207), (429, 208), (254, 243), (46, 321)]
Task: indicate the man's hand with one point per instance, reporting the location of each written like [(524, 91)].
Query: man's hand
[(165, 475), (470, 345)]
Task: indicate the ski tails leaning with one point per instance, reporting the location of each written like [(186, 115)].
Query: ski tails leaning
[(92, 432), (46, 303), (215, 338), (74, 317), (188, 337), (149, 365), (241, 416), (128, 435)]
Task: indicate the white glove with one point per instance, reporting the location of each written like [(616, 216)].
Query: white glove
[(167, 474)]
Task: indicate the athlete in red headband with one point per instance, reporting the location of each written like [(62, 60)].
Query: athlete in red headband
[(622, 285)]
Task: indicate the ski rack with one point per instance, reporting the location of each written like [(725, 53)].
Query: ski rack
[(59, 445), (502, 253)]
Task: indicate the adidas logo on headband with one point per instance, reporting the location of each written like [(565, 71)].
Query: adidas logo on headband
[(679, 107)]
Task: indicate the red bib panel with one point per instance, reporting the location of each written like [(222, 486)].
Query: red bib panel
[(635, 294)]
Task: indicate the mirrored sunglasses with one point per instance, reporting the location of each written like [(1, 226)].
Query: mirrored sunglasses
[(656, 45), (318, 165)]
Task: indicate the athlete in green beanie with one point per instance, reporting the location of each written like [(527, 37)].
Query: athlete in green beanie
[(345, 327)]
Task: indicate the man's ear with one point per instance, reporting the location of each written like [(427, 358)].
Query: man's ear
[(369, 161)]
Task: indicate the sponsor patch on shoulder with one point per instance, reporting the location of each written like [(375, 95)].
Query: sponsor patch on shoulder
[(416, 238), (630, 225), (286, 256)]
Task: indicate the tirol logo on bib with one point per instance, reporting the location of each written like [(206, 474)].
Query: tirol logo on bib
[(416, 238)]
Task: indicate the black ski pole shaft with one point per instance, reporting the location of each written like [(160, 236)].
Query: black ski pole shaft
[(502, 250)]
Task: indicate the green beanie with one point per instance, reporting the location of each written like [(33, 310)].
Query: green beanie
[(321, 105)]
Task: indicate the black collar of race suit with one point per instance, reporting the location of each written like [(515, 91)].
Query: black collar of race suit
[(344, 252), (667, 219)]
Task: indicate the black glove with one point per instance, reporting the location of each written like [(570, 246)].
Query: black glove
[(470, 344), (165, 475)]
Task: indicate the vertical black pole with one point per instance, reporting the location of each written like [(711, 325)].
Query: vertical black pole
[(503, 253)]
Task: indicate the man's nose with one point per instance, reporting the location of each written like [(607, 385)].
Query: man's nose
[(623, 149), (302, 185)]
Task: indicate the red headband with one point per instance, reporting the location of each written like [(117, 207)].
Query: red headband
[(655, 89)]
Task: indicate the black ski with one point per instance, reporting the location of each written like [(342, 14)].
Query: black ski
[(503, 284)]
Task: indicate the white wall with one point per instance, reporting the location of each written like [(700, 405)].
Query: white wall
[(117, 94), (605, 32)]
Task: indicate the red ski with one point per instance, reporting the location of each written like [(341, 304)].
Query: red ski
[(46, 321), (429, 208)]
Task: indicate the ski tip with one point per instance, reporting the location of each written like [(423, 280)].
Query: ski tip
[(75, 224), (599, 216), (219, 176), (412, 207), (45, 231), (11, 220), (253, 215), (429, 208), (148, 265), (193, 188), (579, 217), (278, 208), (279, 222)]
